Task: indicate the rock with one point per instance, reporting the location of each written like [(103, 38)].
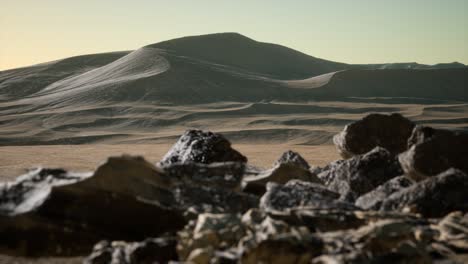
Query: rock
[(384, 241), (433, 197), (361, 174), (286, 248), (153, 250), (288, 167), (268, 240), (211, 232), (296, 194), (436, 152), (373, 199), (201, 147), (422, 134), (319, 220), (375, 130), (293, 158), (53, 212), (194, 200), (227, 175), (453, 230)]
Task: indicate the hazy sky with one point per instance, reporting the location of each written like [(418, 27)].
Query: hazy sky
[(353, 31)]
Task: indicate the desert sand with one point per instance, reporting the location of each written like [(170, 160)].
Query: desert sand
[(16, 160)]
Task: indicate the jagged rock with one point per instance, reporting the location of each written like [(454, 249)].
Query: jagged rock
[(384, 241), (152, 250), (422, 134), (291, 157), (288, 167), (453, 233), (211, 232), (319, 220), (433, 197), (361, 174), (436, 152), (374, 198), (194, 200), (226, 175), (285, 248), (53, 212), (268, 240), (375, 130), (297, 193), (201, 147)]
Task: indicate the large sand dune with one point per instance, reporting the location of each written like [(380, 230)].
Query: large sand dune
[(251, 91)]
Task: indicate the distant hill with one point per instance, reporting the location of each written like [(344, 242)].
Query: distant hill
[(225, 66)]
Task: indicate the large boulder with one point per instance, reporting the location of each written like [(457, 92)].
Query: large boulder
[(288, 167), (361, 174), (433, 197), (374, 198), (201, 147), (434, 151), (375, 130)]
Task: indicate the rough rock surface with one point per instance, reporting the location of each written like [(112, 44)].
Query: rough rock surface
[(192, 207), (226, 175), (297, 193), (288, 167), (201, 147), (436, 151), (375, 130), (374, 198), (152, 250), (361, 174), (433, 197)]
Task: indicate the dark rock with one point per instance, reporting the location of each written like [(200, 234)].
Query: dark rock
[(153, 250), (296, 194), (422, 134), (293, 158), (227, 175), (201, 147), (194, 200), (288, 167), (435, 153), (373, 199), (433, 197), (375, 130), (361, 174)]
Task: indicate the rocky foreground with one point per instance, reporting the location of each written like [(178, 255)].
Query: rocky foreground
[(400, 195)]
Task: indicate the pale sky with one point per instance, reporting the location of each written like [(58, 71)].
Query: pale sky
[(352, 31)]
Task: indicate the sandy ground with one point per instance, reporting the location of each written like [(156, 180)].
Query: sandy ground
[(16, 160)]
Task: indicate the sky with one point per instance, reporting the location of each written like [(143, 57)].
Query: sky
[(351, 31)]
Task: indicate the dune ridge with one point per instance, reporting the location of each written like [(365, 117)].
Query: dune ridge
[(222, 82)]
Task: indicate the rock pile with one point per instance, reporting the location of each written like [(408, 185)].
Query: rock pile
[(399, 196)]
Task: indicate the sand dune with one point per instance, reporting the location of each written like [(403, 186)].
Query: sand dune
[(250, 91)]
